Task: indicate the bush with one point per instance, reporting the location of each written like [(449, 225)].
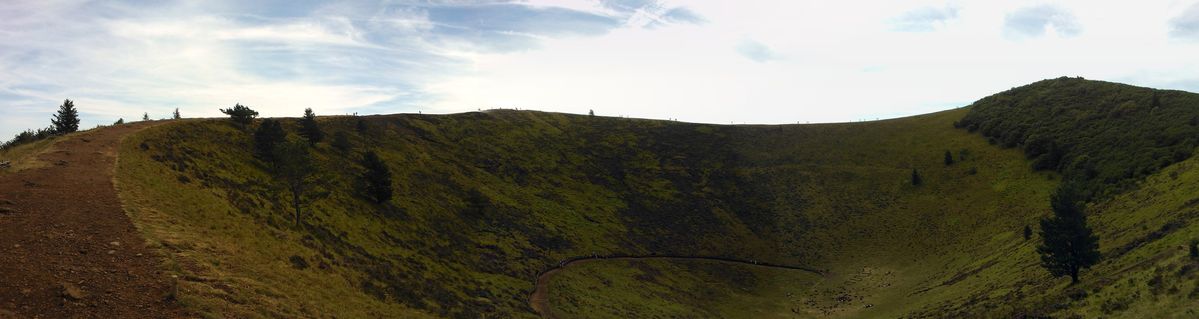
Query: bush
[(28, 136), (916, 180)]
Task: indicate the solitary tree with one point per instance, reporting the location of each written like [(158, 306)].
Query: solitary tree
[(67, 118), (916, 180), (145, 117), (176, 114), (268, 136), (241, 114), (309, 129), (1068, 246), (591, 112), (1027, 232), (377, 176), (119, 121), (948, 158), (295, 169)]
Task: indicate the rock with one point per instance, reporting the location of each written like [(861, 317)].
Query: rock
[(115, 243), (110, 252), (72, 292)]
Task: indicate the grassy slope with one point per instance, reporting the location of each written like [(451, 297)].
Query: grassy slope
[(486, 200)]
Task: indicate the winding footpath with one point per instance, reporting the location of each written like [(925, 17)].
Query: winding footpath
[(539, 299), (67, 249)]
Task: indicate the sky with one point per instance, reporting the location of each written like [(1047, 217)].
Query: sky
[(692, 60)]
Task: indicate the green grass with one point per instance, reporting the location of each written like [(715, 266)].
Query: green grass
[(485, 201)]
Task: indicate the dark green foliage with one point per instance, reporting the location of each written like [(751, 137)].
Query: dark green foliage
[(377, 177), (916, 180), (295, 169), (948, 158), (309, 129), (1068, 246), (28, 136), (119, 121), (241, 114), (1195, 249), (1105, 136), (176, 114), (590, 112), (362, 127), (341, 141), (1027, 232), (145, 117), (269, 135), (67, 118)]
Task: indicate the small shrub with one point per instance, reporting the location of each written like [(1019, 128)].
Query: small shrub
[(1195, 249), (916, 179), (298, 262), (948, 158), (1027, 232)]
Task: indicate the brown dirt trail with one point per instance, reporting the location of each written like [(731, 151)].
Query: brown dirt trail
[(67, 249)]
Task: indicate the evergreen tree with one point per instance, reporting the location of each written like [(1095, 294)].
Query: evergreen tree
[(119, 121), (67, 118), (1195, 249), (269, 135), (1068, 246), (377, 176), (145, 117), (341, 141), (916, 180), (296, 169), (241, 114), (1027, 232), (176, 114), (590, 112), (948, 158), (309, 129)]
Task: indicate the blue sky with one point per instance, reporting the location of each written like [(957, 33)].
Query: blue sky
[(702, 61)]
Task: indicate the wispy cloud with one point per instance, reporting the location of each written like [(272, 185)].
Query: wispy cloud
[(1036, 20), (924, 19), (756, 51), (1186, 24)]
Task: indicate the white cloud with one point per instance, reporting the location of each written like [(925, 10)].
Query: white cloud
[(695, 60)]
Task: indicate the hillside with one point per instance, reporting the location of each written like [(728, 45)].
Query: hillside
[(486, 201)]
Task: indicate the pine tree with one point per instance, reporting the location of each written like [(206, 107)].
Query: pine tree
[(1068, 245), (590, 112), (241, 114), (145, 117), (341, 141), (296, 169), (377, 176), (67, 118), (119, 121), (269, 135), (176, 114), (309, 129), (948, 158), (916, 180)]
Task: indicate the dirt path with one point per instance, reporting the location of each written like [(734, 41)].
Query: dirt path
[(67, 250), (539, 299)]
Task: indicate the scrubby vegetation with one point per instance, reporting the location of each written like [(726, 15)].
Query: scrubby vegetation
[(1107, 136), (482, 202)]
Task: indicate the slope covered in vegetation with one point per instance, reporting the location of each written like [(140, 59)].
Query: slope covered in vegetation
[(485, 201)]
